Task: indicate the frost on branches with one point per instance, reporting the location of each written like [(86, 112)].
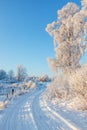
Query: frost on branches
[(84, 4), (70, 42), (70, 37)]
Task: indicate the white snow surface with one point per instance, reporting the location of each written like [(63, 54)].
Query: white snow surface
[(31, 111)]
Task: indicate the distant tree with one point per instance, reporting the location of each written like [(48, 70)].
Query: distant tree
[(21, 73), (11, 74), (3, 74), (70, 37)]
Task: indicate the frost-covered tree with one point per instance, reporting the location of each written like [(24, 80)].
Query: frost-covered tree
[(11, 74), (84, 4), (21, 73), (70, 37), (3, 74)]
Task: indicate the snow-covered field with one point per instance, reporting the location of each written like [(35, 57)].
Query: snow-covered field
[(31, 111)]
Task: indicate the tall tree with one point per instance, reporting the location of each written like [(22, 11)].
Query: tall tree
[(70, 37)]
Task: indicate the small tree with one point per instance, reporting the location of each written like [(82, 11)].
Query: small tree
[(70, 37), (21, 73)]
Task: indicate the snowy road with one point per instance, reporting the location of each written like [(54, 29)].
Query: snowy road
[(28, 112)]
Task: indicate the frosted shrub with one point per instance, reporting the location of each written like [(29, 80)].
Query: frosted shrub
[(2, 105), (71, 89), (59, 88), (78, 82), (31, 84), (44, 78)]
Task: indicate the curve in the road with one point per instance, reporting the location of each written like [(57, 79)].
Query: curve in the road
[(26, 113)]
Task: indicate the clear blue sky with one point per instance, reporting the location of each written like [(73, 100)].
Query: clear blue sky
[(23, 39)]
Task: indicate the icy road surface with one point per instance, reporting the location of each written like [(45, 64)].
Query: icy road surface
[(28, 112)]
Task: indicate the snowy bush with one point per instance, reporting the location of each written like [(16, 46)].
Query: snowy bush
[(59, 88), (31, 84), (77, 103), (44, 78), (78, 82), (2, 105), (72, 89)]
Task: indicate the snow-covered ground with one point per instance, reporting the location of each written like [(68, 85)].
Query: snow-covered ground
[(76, 120), (30, 111)]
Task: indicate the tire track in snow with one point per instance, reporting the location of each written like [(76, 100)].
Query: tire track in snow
[(42, 120), (45, 120), (57, 115)]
